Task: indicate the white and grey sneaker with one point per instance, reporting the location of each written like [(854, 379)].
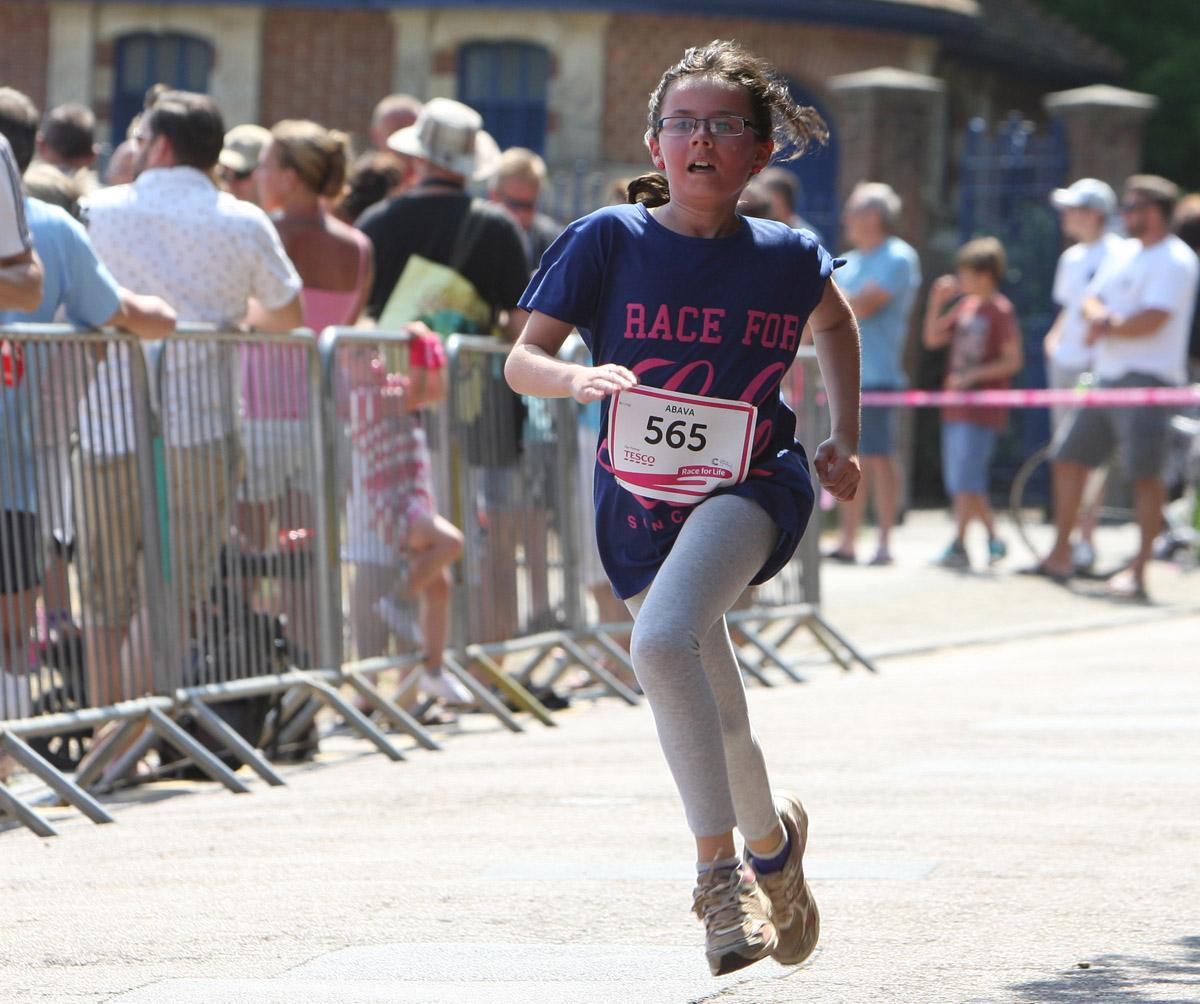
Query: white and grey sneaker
[(737, 923)]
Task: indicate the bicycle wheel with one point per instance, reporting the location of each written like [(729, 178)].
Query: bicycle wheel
[(1017, 503)]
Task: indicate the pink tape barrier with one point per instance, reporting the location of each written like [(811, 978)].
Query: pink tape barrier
[(1101, 397)]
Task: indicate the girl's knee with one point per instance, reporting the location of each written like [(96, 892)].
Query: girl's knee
[(654, 645)]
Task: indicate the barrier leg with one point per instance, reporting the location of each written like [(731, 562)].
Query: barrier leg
[(297, 709), (525, 674), (752, 669), (72, 793), (354, 718), (482, 694), (123, 762), (196, 751), (235, 745), (841, 640), (769, 651), (599, 673), (24, 814), (605, 641), (515, 691), (829, 642), (99, 757), (400, 718)]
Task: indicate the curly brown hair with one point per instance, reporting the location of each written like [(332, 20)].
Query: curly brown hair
[(795, 128)]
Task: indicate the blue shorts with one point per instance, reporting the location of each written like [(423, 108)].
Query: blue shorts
[(967, 457), (878, 435)]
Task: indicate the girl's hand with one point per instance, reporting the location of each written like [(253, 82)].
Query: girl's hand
[(837, 469), (958, 381), (592, 383)]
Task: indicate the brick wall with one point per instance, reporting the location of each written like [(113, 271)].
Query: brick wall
[(25, 47), (641, 47), (332, 68)]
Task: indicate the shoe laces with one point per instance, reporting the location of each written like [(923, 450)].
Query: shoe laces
[(718, 900)]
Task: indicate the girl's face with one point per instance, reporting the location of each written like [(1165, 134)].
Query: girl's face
[(274, 180), (708, 166)]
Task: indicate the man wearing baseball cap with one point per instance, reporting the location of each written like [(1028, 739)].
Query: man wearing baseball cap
[(1085, 211), (1138, 311)]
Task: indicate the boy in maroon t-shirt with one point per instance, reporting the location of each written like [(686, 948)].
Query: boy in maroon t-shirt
[(985, 353)]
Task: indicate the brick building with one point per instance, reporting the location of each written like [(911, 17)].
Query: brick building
[(569, 78)]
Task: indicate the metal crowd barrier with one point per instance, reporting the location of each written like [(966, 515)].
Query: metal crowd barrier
[(167, 573), (217, 526)]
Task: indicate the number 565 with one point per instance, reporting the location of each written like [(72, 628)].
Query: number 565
[(674, 435)]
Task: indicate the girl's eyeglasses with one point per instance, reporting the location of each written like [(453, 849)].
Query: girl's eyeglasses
[(718, 125)]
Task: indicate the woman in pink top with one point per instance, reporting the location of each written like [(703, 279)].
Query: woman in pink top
[(303, 165)]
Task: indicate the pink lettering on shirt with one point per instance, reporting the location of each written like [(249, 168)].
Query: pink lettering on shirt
[(753, 325), (635, 320), (662, 324), (712, 325), (687, 334)]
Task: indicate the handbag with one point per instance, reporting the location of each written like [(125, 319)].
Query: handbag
[(490, 416)]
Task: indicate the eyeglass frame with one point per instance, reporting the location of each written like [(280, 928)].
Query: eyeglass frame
[(697, 119)]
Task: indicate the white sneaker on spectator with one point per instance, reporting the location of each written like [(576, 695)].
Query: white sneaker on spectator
[(439, 683)]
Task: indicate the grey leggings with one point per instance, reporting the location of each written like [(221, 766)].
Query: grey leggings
[(686, 666)]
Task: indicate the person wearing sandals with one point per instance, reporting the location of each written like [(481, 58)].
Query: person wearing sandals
[(693, 314), (880, 279)]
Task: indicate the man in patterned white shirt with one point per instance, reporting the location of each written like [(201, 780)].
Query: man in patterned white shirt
[(215, 259)]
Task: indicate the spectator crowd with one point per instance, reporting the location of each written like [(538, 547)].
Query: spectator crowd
[(284, 228)]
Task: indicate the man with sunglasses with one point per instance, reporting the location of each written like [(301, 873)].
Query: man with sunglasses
[(517, 186), (1138, 309)]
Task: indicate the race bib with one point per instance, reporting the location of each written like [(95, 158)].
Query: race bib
[(678, 447)]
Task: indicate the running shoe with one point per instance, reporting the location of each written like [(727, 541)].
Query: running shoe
[(737, 923), (438, 683), (955, 556), (793, 909), (997, 550)]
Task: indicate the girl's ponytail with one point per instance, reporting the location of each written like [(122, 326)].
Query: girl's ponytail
[(648, 189)]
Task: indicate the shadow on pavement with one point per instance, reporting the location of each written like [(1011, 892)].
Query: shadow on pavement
[(1130, 979)]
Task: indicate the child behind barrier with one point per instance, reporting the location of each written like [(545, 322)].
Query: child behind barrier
[(401, 548), (985, 353)]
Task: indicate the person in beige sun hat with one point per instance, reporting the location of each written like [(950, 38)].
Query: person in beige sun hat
[(449, 135)]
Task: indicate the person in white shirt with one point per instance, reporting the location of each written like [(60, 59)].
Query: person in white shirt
[(1085, 208), (214, 259), (1085, 211), (20, 271), (1138, 310)]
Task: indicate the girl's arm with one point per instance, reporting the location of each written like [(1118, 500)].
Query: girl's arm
[(533, 367), (835, 336)]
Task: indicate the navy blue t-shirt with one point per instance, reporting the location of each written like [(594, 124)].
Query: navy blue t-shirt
[(718, 317)]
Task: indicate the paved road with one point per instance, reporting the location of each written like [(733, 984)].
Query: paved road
[(1012, 822)]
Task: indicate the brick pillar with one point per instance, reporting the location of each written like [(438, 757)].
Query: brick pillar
[(891, 129), (1104, 127)]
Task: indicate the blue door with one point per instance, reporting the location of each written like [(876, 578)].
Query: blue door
[(506, 82), (182, 62)]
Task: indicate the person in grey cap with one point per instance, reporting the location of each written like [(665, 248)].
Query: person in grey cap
[(1085, 211), (1138, 311), (240, 157)]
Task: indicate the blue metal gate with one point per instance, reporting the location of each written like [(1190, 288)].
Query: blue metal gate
[(1007, 176)]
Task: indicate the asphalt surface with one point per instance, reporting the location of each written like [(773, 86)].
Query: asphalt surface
[(1008, 812)]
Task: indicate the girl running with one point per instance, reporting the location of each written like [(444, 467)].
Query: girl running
[(693, 314)]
